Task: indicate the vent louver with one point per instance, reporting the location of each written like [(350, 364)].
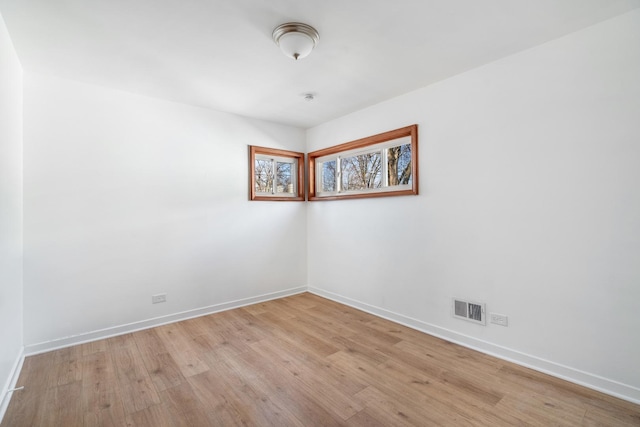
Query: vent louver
[(467, 310)]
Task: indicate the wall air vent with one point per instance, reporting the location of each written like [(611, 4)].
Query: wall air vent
[(467, 310)]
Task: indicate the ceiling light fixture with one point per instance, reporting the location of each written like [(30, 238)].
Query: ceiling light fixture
[(296, 40)]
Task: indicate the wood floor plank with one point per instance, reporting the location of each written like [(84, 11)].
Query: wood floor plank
[(101, 399), (285, 351), (149, 342), (539, 409), (182, 349), (238, 332), (193, 327), (288, 392), (289, 331), (108, 412), (160, 365), (212, 394), (156, 416), (359, 349), (139, 394), (298, 361), (67, 405), (272, 408), (434, 395), (599, 417), (97, 369), (394, 412), (250, 400), (187, 409), (365, 419), (331, 392), (412, 391), (262, 307), (93, 347), (302, 301), (164, 371), (120, 341), (248, 325), (442, 359), (128, 363)]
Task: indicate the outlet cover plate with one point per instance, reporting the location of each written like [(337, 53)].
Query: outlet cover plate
[(499, 319), (155, 299)]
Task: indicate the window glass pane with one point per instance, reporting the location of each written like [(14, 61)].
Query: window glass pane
[(328, 180), (361, 172), (283, 177), (399, 165), (264, 176)]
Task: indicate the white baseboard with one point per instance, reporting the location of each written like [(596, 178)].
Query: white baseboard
[(586, 379), (5, 397), (43, 347)]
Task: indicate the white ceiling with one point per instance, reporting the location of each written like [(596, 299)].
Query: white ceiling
[(219, 53)]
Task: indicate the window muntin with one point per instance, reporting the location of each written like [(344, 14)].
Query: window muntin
[(276, 174), (381, 165)]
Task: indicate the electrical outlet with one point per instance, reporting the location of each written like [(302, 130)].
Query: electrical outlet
[(155, 299), (498, 319)]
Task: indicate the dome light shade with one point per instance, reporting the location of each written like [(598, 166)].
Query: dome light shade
[(296, 40)]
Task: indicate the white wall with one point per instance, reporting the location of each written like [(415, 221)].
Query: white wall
[(10, 210), (530, 202), (128, 196)]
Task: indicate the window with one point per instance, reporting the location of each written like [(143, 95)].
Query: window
[(376, 166), (275, 174)]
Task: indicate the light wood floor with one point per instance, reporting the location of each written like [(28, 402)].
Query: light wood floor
[(299, 361)]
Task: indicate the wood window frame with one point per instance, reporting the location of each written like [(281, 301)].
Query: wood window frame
[(408, 131), (299, 174)]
